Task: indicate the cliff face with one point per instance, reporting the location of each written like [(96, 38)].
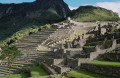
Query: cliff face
[(24, 9)]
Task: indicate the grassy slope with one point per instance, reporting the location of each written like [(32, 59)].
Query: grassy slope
[(82, 74), (105, 63), (41, 77), (15, 76), (85, 74), (19, 26), (38, 71), (90, 13)]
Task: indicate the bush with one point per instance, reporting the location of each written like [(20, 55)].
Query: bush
[(23, 33)]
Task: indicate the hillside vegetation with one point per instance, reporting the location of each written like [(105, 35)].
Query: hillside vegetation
[(20, 20), (92, 13), (15, 28)]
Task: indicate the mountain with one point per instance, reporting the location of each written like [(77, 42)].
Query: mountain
[(59, 6), (92, 13), (17, 17)]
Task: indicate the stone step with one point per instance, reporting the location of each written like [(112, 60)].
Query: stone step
[(40, 35), (5, 73), (30, 41), (28, 45), (18, 65), (6, 68), (24, 43), (47, 41), (43, 33), (35, 39)]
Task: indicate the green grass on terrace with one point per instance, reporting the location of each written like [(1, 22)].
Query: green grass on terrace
[(15, 76), (40, 77), (82, 74), (85, 74), (38, 71), (105, 63)]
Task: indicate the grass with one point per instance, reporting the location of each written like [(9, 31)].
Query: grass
[(38, 71), (94, 43), (88, 46), (74, 73), (23, 33), (85, 74), (90, 13), (105, 63), (82, 74), (15, 76), (40, 77), (58, 76)]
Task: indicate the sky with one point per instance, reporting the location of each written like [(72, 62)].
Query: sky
[(113, 5)]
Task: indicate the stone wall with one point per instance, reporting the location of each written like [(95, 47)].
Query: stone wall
[(58, 69), (82, 61), (118, 41), (75, 63), (95, 55), (48, 69), (72, 63), (49, 61), (81, 56), (61, 69), (52, 61), (73, 52), (111, 56), (60, 53), (89, 50), (105, 70)]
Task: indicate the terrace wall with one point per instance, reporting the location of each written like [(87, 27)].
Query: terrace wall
[(105, 70), (111, 56)]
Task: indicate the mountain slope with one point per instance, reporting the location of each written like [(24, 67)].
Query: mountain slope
[(24, 9), (19, 17), (92, 13)]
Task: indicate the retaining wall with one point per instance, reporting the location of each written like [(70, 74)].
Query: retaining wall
[(105, 70)]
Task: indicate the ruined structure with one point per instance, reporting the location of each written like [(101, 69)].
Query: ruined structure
[(73, 53), (60, 49)]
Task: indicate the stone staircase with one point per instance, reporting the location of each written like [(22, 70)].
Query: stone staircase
[(17, 67), (58, 37), (54, 41), (28, 45)]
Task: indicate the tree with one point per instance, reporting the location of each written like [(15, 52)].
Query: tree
[(10, 53)]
